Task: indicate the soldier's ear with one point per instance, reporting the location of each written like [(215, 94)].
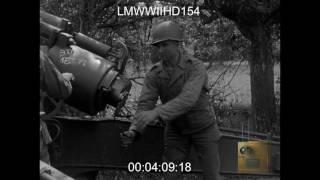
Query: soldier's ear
[(181, 45), (177, 43)]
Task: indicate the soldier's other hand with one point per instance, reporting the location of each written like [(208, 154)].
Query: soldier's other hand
[(127, 138), (68, 76), (146, 117)]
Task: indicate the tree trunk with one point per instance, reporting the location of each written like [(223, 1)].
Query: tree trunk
[(262, 80), (83, 17)]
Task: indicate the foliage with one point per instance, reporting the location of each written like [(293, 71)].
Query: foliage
[(219, 40), (276, 126)]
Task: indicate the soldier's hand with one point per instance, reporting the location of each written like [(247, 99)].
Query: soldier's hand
[(146, 117), (127, 138), (68, 76)]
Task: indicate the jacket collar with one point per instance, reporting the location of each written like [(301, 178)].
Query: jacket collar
[(179, 69)]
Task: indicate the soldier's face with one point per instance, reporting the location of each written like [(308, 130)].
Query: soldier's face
[(167, 50)]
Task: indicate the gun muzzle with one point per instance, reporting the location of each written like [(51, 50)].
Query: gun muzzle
[(91, 45), (61, 23)]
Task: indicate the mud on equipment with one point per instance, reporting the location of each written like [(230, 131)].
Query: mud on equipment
[(98, 81)]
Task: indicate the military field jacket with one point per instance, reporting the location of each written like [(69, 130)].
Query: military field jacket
[(185, 102)]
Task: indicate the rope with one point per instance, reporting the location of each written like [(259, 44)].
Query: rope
[(58, 126), (58, 106)]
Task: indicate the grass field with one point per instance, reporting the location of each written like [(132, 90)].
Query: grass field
[(240, 84), (238, 91), (234, 84)]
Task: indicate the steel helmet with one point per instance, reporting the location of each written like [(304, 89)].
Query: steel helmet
[(167, 30)]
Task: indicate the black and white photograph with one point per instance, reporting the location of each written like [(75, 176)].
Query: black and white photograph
[(159, 90)]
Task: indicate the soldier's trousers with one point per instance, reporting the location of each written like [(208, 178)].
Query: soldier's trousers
[(205, 142)]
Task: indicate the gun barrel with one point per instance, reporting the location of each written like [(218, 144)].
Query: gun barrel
[(57, 24), (92, 45), (64, 24), (50, 19), (47, 30), (86, 57)]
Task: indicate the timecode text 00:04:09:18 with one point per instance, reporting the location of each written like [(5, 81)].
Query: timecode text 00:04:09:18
[(162, 167)]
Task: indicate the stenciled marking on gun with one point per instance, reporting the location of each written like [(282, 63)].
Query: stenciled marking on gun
[(65, 56)]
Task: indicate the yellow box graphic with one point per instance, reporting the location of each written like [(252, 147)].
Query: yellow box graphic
[(253, 157)]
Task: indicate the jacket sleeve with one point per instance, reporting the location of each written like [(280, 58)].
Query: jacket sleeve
[(51, 80), (149, 95), (147, 100), (188, 96)]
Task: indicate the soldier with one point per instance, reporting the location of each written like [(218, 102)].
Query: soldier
[(181, 82), (53, 86)]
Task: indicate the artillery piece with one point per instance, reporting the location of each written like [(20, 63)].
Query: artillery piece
[(82, 147), (98, 81)]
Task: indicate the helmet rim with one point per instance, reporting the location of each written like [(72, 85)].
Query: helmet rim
[(166, 30)]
